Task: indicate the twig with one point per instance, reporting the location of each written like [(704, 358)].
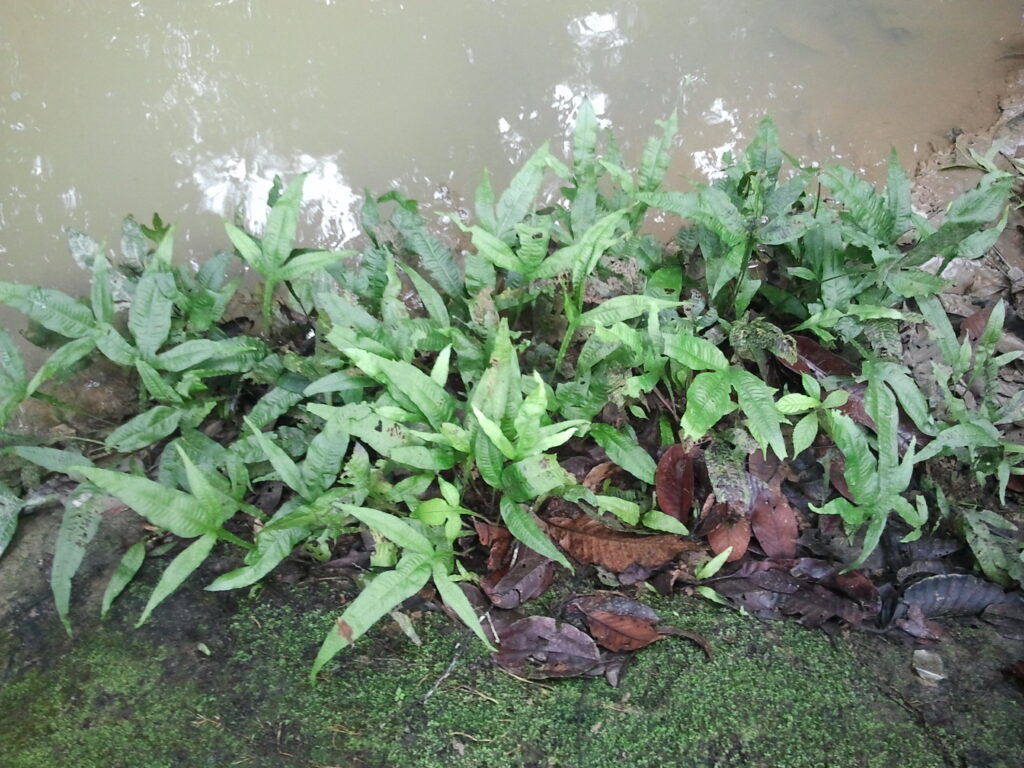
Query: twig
[(444, 675)]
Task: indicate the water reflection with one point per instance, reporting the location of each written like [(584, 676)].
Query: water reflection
[(190, 109)]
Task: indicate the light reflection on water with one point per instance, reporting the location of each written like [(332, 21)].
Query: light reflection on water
[(190, 109)]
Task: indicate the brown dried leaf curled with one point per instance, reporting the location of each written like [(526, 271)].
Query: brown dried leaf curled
[(620, 633), (589, 541)]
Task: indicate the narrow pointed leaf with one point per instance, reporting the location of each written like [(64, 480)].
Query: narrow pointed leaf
[(379, 597), (522, 525), (82, 514), (181, 568), (625, 451), (123, 574)]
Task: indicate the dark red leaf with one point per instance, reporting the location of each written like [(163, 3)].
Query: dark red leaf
[(673, 482)]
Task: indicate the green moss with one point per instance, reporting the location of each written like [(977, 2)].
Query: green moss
[(776, 695)]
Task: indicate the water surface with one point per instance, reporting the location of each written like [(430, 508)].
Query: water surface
[(190, 108)]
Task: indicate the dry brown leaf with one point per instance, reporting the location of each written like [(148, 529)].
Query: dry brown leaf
[(673, 482), (589, 541), (735, 535), (620, 633)]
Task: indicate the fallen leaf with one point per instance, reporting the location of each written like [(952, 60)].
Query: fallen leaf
[(699, 639), (773, 522), (673, 482), (618, 623), (735, 535), (527, 577), (500, 542), (620, 633), (539, 647), (954, 595), (601, 472), (589, 541)]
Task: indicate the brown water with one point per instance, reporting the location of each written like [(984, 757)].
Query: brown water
[(110, 107)]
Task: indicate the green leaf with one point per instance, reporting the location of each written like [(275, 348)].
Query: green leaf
[(274, 403), (897, 198), (82, 514), (149, 316), (584, 143), (164, 507), (707, 401), (62, 359), (286, 469), (495, 435), (621, 308), (456, 599), (712, 566), (307, 263), (326, 451), (180, 568), (408, 385), (625, 451), (52, 309), (10, 508), (432, 301), (523, 526), (435, 257), (279, 234), (155, 384), (656, 156), (592, 245), (756, 402), (247, 246), (380, 596), (804, 433), (695, 353), (101, 297), (145, 429), (796, 403), (860, 470), (627, 511), (534, 476), (969, 434), (123, 574), (657, 520), (51, 459), (390, 527), (517, 201), (483, 204)]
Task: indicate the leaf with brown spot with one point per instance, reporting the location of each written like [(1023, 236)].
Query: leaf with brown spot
[(345, 630), (735, 535), (673, 482), (588, 541)]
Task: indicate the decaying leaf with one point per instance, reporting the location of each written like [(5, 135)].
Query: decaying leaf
[(616, 622), (673, 482), (539, 647), (955, 595), (731, 534), (772, 520), (528, 576), (589, 541)]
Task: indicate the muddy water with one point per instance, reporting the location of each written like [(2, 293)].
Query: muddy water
[(189, 108)]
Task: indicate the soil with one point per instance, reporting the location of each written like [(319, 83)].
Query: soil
[(220, 679)]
